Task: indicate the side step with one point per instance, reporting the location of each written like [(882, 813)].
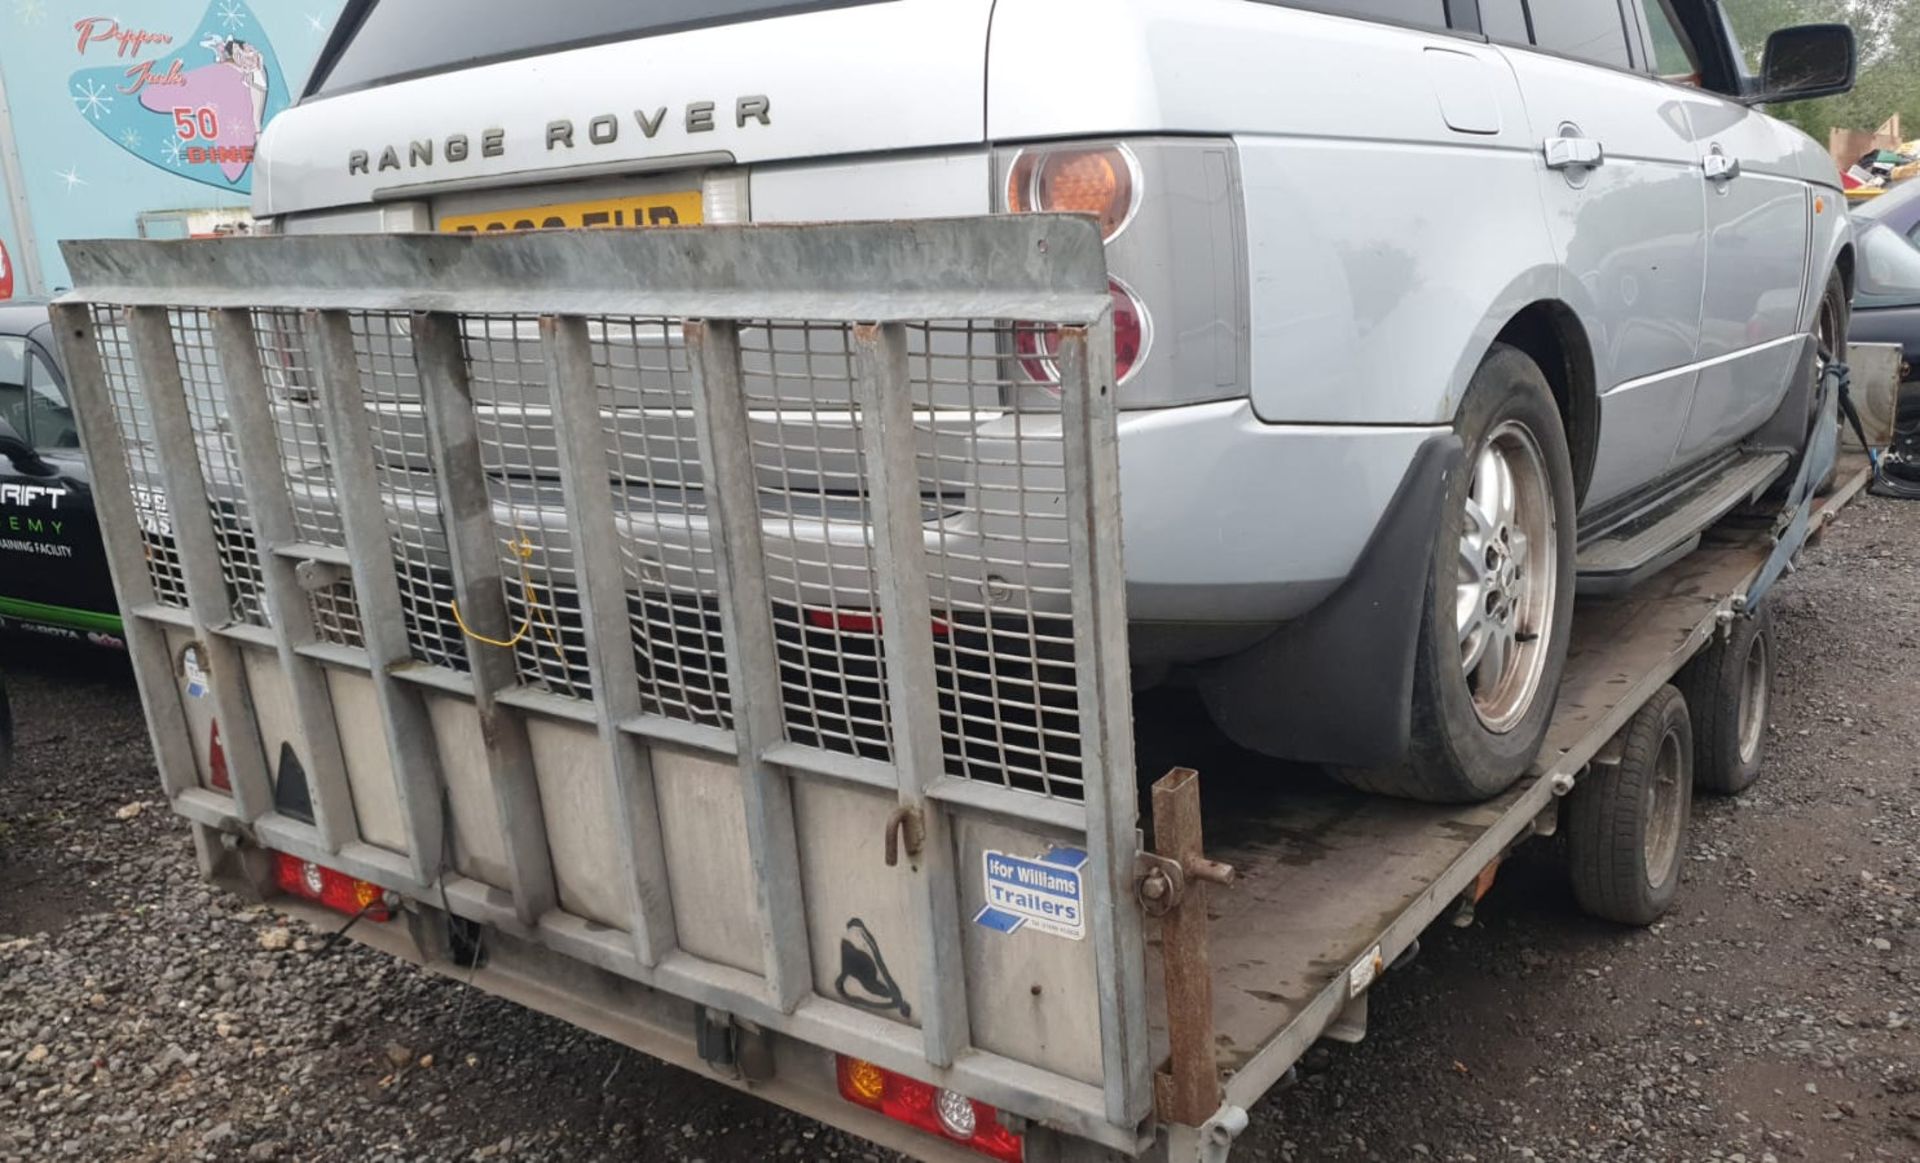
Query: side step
[(1643, 543)]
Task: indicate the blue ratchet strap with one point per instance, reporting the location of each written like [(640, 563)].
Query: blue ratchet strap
[(1823, 452)]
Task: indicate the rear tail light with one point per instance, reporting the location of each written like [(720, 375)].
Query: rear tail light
[(1101, 181), (859, 622), (335, 890), (949, 1114), (1039, 346), (217, 760)]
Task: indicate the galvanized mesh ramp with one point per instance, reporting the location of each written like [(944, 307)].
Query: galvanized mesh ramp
[(720, 608)]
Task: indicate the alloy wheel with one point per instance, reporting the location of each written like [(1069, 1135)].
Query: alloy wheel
[(1507, 576)]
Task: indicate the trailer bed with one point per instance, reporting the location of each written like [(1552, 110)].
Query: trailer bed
[(1332, 885)]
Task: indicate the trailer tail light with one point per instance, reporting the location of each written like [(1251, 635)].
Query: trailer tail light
[(1101, 181), (949, 1114), (1039, 347), (335, 890), (217, 761)]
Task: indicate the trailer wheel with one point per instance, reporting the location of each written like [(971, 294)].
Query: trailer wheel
[(1627, 827), (1729, 686)]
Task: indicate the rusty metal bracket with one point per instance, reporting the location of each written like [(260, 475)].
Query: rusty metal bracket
[(1161, 881), (1173, 887), (910, 821)]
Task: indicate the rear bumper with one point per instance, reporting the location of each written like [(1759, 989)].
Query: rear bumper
[(1231, 521), (1232, 526), (1336, 685)]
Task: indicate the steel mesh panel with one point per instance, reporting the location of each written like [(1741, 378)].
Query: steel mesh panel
[(219, 463), (294, 392), (991, 500), (143, 462), (998, 561), (646, 404), (336, 616), (383, 351), (507, 375), (809, 478)]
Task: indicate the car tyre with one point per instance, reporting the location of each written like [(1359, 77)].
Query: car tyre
[(1830, 322), (1499, 604), (1729, 686), (1626, 823)]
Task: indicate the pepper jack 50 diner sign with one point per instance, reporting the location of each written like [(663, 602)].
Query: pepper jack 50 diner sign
[(191, 103)]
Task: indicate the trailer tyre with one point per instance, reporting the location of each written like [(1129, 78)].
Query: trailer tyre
[(1627, 827), (1729, 687)]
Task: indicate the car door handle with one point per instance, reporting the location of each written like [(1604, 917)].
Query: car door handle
[(1718, 167), (1566, 153)]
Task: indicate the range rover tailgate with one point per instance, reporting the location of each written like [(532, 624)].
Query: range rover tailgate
[(864, 78)]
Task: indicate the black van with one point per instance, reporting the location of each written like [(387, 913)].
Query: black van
[(53, 571)]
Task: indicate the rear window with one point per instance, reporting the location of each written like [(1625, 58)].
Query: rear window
[(386, 40)]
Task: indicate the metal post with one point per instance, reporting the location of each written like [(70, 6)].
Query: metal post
[(1090, 434), (262, 477), (1192, 1082), (581, 444), (753, 664), (177, 446), (120, 536), (376, 591), (473, 544), (906, 627)]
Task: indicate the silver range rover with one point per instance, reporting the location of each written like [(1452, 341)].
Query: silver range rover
[(1428, 314)]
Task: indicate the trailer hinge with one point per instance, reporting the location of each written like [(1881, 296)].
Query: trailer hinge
[(731, 1046), (1211, 1141)]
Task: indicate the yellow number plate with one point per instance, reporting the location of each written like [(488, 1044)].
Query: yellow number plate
[(680, 208)]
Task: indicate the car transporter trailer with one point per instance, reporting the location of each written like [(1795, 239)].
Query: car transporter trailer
[(508, 617)]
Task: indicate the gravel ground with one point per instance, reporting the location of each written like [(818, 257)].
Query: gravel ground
[(1772, 1017)]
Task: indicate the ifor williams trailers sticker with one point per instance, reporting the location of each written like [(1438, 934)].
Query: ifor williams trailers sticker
[(1044, 893)]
